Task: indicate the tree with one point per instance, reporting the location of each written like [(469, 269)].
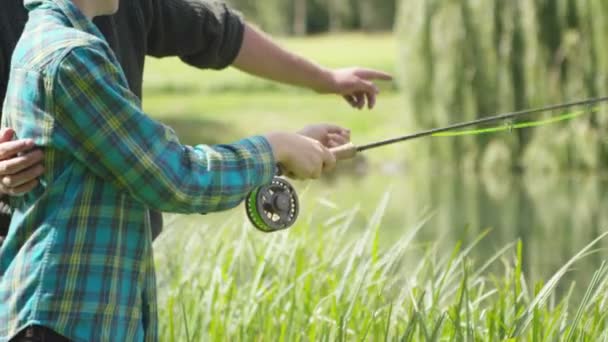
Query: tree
[(462, 59)]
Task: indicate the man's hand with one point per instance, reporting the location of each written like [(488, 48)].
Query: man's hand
[(355, 85), (20, 166), (328, 135)]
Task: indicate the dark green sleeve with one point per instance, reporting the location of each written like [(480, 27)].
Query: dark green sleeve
[(203, 33)]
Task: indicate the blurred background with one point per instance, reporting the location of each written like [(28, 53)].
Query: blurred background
[(453, 61)]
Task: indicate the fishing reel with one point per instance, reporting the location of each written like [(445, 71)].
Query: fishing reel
[(273, 207)]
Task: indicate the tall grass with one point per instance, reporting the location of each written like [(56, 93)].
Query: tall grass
[(334, 281)]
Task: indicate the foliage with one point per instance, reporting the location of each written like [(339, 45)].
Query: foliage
[(333, 281), (283, 16), (465, 59)]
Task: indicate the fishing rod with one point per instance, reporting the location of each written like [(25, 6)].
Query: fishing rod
[(275, 206), (350, 150)]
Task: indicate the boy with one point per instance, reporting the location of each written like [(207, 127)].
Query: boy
[(77, 262)]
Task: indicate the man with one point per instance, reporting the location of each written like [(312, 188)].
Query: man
[(216, 38)]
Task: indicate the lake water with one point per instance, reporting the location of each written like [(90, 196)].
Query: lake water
[(553, 216)]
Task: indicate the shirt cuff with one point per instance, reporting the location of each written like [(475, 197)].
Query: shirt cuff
[(263, 157)]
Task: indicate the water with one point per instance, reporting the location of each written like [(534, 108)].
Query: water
[(554, 216)]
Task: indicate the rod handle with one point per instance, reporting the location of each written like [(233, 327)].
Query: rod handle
[(346, 151)]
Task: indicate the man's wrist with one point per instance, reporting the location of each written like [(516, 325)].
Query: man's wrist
[(326, 81)]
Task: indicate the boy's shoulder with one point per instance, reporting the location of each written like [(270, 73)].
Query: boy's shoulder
[(45, 44)]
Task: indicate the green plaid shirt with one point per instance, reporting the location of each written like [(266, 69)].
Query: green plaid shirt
[(78, 256)]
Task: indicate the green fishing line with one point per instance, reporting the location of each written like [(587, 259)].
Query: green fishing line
[(510, 126)]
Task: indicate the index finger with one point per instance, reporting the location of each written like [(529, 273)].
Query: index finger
[(370, 74)]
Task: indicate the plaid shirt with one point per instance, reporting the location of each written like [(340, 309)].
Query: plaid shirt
[(78, 256)]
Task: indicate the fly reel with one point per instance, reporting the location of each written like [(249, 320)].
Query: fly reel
[(273, 207)]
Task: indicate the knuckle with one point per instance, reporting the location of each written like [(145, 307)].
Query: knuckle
[(8, 181)]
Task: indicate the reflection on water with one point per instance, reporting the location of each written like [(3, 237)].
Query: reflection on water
[(554, 216)]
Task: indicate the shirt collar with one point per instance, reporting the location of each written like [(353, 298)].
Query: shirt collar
[(71, 12)]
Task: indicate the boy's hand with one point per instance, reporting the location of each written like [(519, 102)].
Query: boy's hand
[(301, 157), (328, 135), (20, 166)]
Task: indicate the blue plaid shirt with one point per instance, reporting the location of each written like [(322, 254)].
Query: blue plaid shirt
[(78, 256)]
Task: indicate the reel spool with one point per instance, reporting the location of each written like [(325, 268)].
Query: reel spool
[(273, 207)]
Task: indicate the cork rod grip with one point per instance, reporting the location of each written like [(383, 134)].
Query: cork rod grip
[(346, 151)]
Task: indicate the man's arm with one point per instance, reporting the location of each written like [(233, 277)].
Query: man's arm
[(217, 37), (20, 167), (261, 56)]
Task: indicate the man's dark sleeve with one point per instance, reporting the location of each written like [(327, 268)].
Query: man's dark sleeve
[(203, 33)]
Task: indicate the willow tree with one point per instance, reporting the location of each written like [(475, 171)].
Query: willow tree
[(275, 16), (462, 59)]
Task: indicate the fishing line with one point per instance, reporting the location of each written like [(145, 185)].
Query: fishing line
[(511, 126), (349, 150)]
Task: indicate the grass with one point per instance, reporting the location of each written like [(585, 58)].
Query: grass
[(330, 281), (349, 274)]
